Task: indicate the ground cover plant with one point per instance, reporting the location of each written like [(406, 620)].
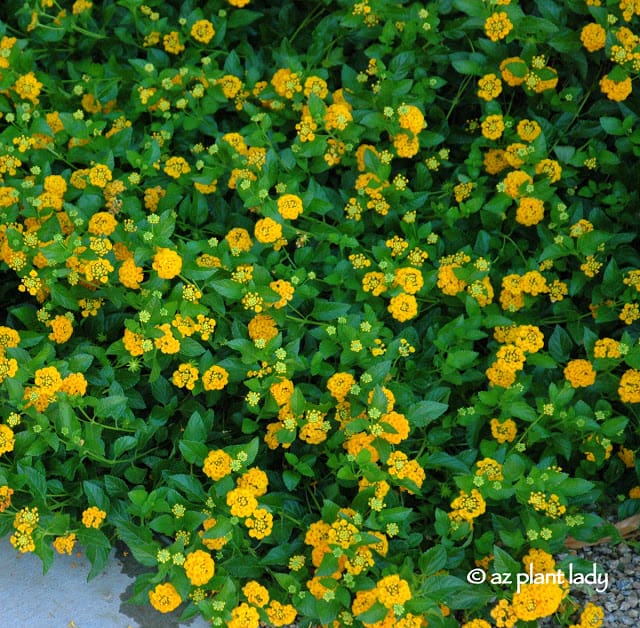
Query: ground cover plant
[(329, 310)]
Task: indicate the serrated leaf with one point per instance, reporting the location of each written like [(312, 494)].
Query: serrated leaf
[(613, 126), (424, 412), (575, 486), (461, 359), (443, 460), (112, 407), (328, 310), (503, 562), (194, 452), (560, 344), (433, 560), (140, 542), (458, 593), (195, 429), (521, 410)]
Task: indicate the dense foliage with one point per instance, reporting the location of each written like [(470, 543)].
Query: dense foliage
[(327, 310)]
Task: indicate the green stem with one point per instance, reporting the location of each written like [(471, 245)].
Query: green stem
[(520, 253), (311, 16), (113, 461), (304, 320), (456, 99)]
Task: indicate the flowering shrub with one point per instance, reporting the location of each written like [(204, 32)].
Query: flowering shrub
[(318, 307)]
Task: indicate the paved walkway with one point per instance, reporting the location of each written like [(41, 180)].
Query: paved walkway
[(64, 599)]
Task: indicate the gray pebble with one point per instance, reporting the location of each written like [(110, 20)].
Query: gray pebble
[(621, 600)]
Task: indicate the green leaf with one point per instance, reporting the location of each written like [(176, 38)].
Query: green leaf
[(124, 444), (243, 17), (521, 410), (195, 430), (251, 450), (112, 407), (424, 412), (328, 566), (560, 344), (93, 443), (165, 524), (140, 542), (194, 452), (80, 362), (227, 288), (512, 538), (375, 613), (97, 548), (461, 359), (36, 481), (329, 310), (397, 514), (291, 479), (470, 7), (433, 560), (575, 486), (441, 459), (503, 562), (514, 466), (613, 126), (297, 402), (240, 567), (537, 27), (458, 593), (615, 426), (467, 66), (189, 485), (61, 296), (114, 486), (95, 494), (68, 422), (221, 528)]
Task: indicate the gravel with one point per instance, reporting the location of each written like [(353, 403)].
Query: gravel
[(621, 599)]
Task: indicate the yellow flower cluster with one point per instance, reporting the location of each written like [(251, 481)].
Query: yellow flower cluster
[(93, 517), (550, 506), (165, 598), (290, 206), (515, 287), (489, 87), (535, 601), (48, 382), (616, 90), (167, 263), (629, 386), (448, 280), (199, 567), (257, 595), (217, 464), (580, 373), (593, 37), (5, 497), (467, 506), (25, 522), (343, 537), (403, 307), (497, 26), (7, 439), (401, 468), (503, 431), (490, 468), (65, 544), (592, 616), (9, 338)]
